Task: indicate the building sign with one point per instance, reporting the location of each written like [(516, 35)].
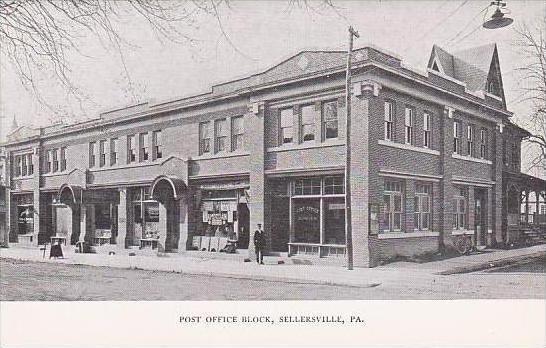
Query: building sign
[(307, 213)]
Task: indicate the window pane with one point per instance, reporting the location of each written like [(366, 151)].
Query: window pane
[(308, 122), (416, 217), (425, 221), (334, 220), (397, 223), (425, 204), (287, 118), (387, 203), (307, 220), (397, 203)]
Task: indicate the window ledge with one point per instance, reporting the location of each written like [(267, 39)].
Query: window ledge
[(471, 159), (408, 147), (222, 155), (461, 232), (399, 235), (307, 145)]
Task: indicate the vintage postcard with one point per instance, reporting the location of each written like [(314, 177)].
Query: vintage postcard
[(288, 172)]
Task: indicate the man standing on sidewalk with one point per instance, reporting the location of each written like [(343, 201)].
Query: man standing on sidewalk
[(259, 244)]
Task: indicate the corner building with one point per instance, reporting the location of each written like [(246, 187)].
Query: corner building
[(431, 152)]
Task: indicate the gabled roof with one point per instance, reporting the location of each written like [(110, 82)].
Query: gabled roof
[(471, 66)]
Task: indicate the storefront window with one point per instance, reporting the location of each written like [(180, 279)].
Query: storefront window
[(304, 187), (392, 206), (334, 220), (25, 216), (334, 185), (307, 220), (145, 215)]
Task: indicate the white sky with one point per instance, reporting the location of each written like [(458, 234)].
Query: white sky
[(264, 33)]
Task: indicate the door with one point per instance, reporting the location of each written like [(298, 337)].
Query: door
[(480, 218)]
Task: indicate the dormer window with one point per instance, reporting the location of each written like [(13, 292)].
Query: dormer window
[(435, 67), (492, 88)]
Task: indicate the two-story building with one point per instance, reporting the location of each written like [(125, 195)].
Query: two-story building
[(434, 155)]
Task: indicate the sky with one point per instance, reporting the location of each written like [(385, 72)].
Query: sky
[(257, 36)]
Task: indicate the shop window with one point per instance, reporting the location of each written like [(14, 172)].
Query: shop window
[(459, 215), (469, 140), (422, 208), (63, 159), (307, 123), (427, 130), (389, 120), (392, 206), (146, 214), (457, 137), (483, 143), (204, 138), (55, 155), (329, 120), (220, 134), (286, 126), (334, 220), (307, 187), (91, 154), (409, 126), (237, 133), (158, 145), (306, 220), (114, 151), (334, 185), (144, 147), (131, 149), (25, 219), (102, 153)]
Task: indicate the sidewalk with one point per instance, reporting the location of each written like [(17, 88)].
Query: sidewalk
[(288, 272)]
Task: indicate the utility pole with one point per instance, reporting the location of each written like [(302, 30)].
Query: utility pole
[(348, 215)]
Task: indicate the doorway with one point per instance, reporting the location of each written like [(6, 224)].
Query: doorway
[(480, 217), (243, 219)]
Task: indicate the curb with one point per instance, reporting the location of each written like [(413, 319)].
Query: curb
[(493, 263), (209, 274)]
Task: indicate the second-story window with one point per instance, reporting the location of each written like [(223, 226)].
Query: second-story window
[(144, 146), (24, 165), (30, 164), (483, 143), (131, 149), (409, 126), (389, 116), (469, 140), (55, 153), (204, 138), (91, 155), (18, 165), (286, 126), (63, 159), (113, 151), (237, 133), (457, 137), (102, 153), (427, 130), (157, 144), (329, 120), (48, 161), (220, 134), (308, 123)]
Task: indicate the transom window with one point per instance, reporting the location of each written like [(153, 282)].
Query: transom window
[(286, 126), (308, 123), (389, 115), (409, 126), (306, 187), (392, 206), (427, 130), (422, 212), (329, 120), (204, 138), (334, 185)]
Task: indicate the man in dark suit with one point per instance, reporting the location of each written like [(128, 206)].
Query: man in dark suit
[(259, 244)]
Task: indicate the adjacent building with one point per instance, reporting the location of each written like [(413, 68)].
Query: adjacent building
[(434, 156)]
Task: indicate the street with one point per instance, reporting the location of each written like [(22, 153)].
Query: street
[(33, 281)]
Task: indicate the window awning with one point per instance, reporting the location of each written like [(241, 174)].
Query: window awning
[(177, 187)]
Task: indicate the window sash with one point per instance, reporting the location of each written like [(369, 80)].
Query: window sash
[(237, 132), (409, 126), (92, 154), (102, 152), (426, 130), (204, 137), (330, 120), (220, 135), (131, 154), (308, 123), (144, 146)]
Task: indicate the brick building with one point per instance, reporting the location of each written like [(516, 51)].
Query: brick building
[(434, 156)]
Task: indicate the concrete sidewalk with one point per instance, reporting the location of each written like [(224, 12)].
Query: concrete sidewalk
[(288, 272)]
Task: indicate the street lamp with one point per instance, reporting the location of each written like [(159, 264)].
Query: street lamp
[(348, 225), (498, 19)]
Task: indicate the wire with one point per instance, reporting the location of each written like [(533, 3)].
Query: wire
[(466, 26)]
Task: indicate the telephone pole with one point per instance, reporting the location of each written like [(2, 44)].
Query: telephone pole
[(348, 215)]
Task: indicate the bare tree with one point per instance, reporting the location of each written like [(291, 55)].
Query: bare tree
[(533, 49), (38, 36)]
